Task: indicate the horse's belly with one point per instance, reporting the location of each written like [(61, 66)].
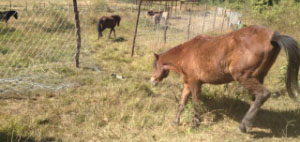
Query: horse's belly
[(216, 78)]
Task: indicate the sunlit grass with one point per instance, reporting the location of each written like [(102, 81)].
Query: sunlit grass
[(101, 106)]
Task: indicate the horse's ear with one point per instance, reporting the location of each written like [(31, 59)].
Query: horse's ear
[(156, 56)]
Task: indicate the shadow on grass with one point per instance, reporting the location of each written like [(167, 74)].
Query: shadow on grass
[(15, 138), (5, 30), (282, 123), (119, 39)]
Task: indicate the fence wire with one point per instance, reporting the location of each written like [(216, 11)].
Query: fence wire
[(185, 24), (37, 49)]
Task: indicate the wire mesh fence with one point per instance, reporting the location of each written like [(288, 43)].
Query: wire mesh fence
[(38, 45), (186, 24), (37, 49)]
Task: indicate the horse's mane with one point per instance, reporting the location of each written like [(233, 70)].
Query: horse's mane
[(117, 17), (9, 13)]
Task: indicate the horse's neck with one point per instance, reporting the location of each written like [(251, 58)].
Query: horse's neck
[(172, 57)]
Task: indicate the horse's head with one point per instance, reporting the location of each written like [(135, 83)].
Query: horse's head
[(161, 71), (15, 14), (99, 28), (118, 20)]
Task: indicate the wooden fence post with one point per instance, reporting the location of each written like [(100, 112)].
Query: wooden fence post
[(189, 25), (159, 5), (136, 27), (215, 16), (26, 5), (203, 24), (78, 38), (224, 14), (228, 19), (166, 5), (175, 7), (166, 27)]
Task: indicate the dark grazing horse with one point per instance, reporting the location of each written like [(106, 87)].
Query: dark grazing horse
[(244, 56), (5, 15), (108, 22)]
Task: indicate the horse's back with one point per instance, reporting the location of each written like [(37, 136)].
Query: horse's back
[(116, 17), (109, 21), (217, 58), (254, 39)]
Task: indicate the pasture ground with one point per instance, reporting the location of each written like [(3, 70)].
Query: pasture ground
[(103, 107)]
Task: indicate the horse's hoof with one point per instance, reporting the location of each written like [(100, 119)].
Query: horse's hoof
[(243, 128), (196, 122), (175, 123)]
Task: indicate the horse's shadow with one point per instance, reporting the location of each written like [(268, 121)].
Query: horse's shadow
[(119, 39), (8, 137), (281, 123), (5, 30)]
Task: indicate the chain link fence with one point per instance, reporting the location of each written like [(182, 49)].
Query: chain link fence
[(37, 49), (185, 24)]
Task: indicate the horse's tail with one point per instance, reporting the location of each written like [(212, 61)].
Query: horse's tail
[(293, 54), (99, 28), (119, 20)]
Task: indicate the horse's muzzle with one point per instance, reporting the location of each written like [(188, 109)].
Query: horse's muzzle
[(153, 81)]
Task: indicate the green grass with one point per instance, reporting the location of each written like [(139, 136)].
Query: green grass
[(101, 107)]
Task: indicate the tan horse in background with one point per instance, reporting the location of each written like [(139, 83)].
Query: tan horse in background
[(157, 16)]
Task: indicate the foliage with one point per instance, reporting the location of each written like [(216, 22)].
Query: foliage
[(276, 16), (270, 13)]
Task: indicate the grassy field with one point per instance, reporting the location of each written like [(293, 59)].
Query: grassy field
[(102, 106)]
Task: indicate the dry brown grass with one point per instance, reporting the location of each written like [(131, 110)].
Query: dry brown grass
[(104, 108)]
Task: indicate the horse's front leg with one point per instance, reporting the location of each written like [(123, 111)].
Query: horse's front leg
[(114, 33), (196, 90), (185, 93), (110, 33)]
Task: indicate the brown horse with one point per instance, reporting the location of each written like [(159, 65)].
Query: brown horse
[(108, 22), (244, 56)]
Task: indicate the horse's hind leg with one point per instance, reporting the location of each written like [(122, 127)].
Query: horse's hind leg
[(261, 95), (196, 90), (261, 81), (185, 93)]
